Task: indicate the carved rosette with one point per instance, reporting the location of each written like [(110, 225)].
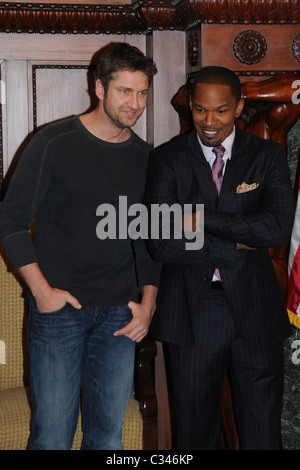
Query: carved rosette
[(249, 47), (296, 47)]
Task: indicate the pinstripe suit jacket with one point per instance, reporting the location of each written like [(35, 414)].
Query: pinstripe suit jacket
[(262, 218)]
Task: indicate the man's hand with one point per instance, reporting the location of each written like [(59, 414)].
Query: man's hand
[(138, 327), (54, 299), (48, 299), (240, 246), (142, 314), (190, 222)]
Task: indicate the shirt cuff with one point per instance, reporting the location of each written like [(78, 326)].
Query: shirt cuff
[(19, 249)]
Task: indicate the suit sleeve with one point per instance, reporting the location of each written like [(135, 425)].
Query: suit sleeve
[(270, 226), (161, 189)]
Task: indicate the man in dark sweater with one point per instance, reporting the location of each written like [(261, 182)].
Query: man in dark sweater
[(92, 297)]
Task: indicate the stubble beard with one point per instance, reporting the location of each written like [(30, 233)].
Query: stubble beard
[(117, 121)]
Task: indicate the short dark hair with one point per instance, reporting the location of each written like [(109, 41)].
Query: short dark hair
[(214, 75), (119, 56)]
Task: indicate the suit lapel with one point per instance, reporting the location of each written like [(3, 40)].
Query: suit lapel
[(235, 170), (202, 171)]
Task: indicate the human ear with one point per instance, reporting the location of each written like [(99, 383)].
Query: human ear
[(99, 89), (239, 108)]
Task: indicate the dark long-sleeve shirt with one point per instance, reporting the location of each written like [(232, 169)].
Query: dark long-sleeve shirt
[(64, 175)]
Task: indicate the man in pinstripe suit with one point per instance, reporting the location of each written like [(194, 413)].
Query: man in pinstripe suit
[(220, 307)]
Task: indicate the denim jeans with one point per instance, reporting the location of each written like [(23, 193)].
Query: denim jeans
[(71, 351)]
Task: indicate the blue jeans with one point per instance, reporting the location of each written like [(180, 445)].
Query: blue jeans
[(72, 350)]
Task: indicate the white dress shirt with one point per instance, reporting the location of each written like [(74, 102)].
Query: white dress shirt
[(227, 144)]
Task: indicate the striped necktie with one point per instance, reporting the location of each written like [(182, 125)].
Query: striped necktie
[(217, 168), (217, 174)]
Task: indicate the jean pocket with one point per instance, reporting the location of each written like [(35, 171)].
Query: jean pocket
[(127, 312), (122, 315), (126, 308), (52, 312)]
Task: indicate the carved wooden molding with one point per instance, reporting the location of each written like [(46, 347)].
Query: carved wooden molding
[(66, 19), (193, 48), (141, 16), (249, 47), (248, 11), (296, 47), (253, 73)]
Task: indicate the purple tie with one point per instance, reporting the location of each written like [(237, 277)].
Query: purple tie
[(217, 168), (217, 174)]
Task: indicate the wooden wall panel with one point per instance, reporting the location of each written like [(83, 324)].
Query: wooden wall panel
[(15, 129), (169, 55), (56, 91), (264, 47), (62, 47), (46, 78)]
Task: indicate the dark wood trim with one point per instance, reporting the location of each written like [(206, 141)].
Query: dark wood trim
[(145, 355), (141, 17)]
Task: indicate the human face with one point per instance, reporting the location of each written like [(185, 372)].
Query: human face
[(214, 110), (125, 99)]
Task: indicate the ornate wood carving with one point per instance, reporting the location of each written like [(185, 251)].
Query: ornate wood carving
[(247, 11), (141, 16), (193, 49), (249, 47), (64, 19), (296, 47)]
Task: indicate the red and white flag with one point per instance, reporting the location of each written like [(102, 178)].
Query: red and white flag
[(293, 294)]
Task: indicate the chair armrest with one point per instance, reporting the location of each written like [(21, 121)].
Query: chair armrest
[(145, 354)]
